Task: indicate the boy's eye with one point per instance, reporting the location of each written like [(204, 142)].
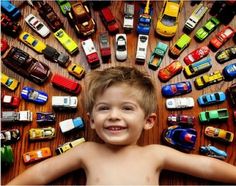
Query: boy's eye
[(103, 108), (128, 108)]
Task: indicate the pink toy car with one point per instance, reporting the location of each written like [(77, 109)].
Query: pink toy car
[(196, 55)]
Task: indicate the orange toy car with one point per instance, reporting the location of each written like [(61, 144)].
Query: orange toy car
[(37, 155)]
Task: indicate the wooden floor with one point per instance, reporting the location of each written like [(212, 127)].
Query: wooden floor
[(150, 137)]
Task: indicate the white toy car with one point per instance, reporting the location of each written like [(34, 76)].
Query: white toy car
[(129, 16), (37, 25), (71, 124), (64, 102), (121, 47), (141, 49), (178, 103), (91, 53)]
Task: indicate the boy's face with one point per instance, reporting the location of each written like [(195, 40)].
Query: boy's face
[(117, 116)]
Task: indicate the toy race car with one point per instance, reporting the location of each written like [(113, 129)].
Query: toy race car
[(76, 70), (225, 55), (211, 98), (220, 134), (41, 133), (214, 115), (35, 96), (10, 136), (179, 103), (213, 152), (229, 71), (196, 55), (121, 47), (40, 154), (179, 137), (176, 89), (45, 117), (9, 82), (181, 119)]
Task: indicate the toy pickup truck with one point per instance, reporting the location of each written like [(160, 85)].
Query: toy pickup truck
[(12, 116), (71, 124), (64, 102), (214, 115)]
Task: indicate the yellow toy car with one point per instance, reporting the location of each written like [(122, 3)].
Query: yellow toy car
[(167, 22), (9, 82), (67, 42), (32, 42), (208, 79), (76, 70), (41, 133), (220, 134)]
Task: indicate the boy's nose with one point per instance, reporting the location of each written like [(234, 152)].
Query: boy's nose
[(114, 114)]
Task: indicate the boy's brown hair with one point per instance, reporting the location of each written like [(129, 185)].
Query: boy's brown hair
[(98, 81)]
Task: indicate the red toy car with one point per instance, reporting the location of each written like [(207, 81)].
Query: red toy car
[(4, 45), (10, 101), (196, 55), (235, 116), (104, 45), (66, 84), (221, 37), (180, 119), (169, 71), (109, 20)]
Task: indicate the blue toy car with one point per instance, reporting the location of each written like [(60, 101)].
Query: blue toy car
[(45, 117), (212, 98), (229, 72), (180, 137), (145, 19), (36, 96), (213, 152), (176, 89), (10, 10)]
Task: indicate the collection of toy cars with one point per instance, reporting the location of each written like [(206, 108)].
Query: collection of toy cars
[(180, 135)]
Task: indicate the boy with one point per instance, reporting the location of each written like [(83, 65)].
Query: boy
[(121, 102)]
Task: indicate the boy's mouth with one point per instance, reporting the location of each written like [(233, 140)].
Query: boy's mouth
[(115, 128)]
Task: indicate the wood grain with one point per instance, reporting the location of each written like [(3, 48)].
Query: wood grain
[(150, 137)]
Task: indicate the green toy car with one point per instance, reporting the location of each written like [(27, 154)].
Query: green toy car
[(207, 29), (157, 55), (7, 157), (214, 115), (64, 5), (180, 45)]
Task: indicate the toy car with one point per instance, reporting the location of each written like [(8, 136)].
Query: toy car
[(32, 42), (179, 137), (232, 94), (10, 10), (9, 82), (91, 53), (41, 133), (35, 96), (212, 98), (10, 136), (71, 124), (145, 19), (226, 54), (128, 23), (179, 103), (45, 117), (53, 55), (219, 134), (207, 29), (196, 55), (157, 55), (141, 51), (168, 19), (181, 119), (48, 15), (180, 45), (195, 17), (214, 115), (176, 89), (7, 157), (9, 101), (229, 71), (67, 146), (198, 67), (65, 84), (222, 37), (166, 73), (234, 114), (213, 152), (81, 19), (64, 102), (121, 47), (40, 154), (4, 46), (10, 27), (104, 44), (37, 25), (76, 70), (64, 5), (108, 20), (27, 66), (208, 79), (66, 41), (21, 116)]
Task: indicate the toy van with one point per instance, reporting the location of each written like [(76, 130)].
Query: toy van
[(64, 102), (141, 49), (66, 84)]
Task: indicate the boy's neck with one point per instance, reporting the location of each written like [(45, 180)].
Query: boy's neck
[(116, 148)]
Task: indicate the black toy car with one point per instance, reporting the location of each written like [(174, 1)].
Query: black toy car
[(232, 94), (10, 27), (10, 136), (226, 54)]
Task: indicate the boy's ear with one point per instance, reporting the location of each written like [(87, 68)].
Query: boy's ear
[(91, 121), (150, 121)]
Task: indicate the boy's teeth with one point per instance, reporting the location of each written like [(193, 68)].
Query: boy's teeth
[(115, 128)]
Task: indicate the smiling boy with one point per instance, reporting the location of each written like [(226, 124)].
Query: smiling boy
[(121, 103)]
